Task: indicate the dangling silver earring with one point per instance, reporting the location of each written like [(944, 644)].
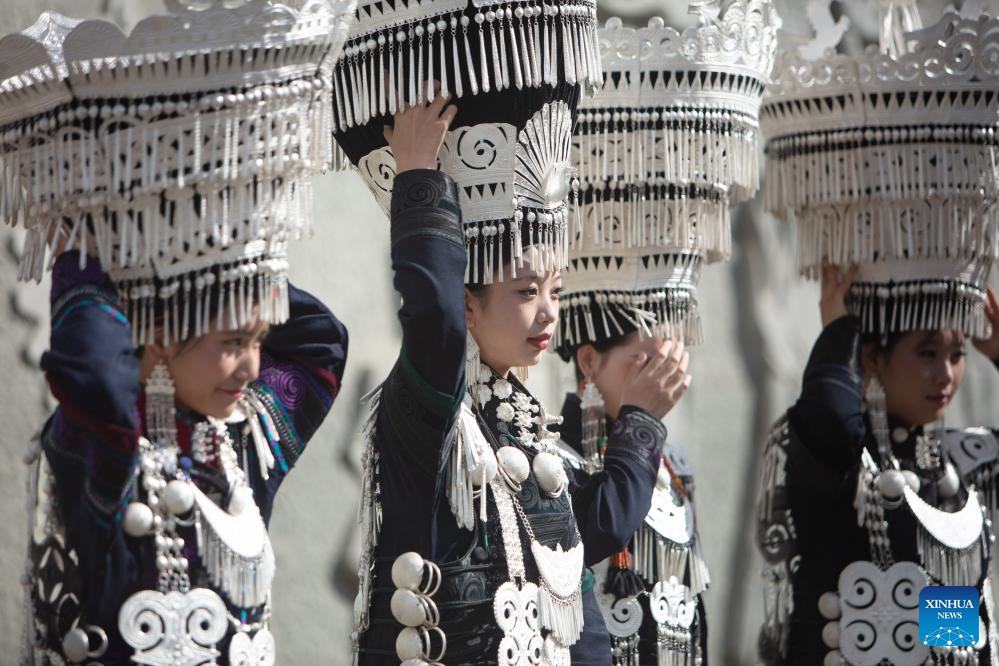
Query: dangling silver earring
[(473, 365), (160, 410), (877, 412), (594, 420)]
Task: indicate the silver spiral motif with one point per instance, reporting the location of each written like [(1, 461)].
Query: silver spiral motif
[(478, 148), (161, 626), (880, 613), (623, 616)]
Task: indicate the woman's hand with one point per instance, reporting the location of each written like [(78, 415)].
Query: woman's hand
[(418, 133), (990, 346), (835, 286), (656, 383)]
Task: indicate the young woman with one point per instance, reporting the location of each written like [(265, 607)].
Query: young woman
[(865, 501), (475, 555), (643, 484), (156, 477)]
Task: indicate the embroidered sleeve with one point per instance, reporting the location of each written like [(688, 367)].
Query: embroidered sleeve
[(428, 260), (828, 415), (637, 435), (91, 364), (302, 366), (93, 372), (611, 505)]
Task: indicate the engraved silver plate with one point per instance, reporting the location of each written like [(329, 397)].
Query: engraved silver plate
[(258, 651), (880, 614), (516, 611), (173, 629), (670, 520), (672, 604)]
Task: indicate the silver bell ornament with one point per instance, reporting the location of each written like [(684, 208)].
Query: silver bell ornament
[(911, 480), (410, 645), (891, 483), (829, 606), (407, 608), (138, 520), (830, 635), (484, 470), (178, 497), (76, 645), (550, 473), (407, 571), (514, 465)]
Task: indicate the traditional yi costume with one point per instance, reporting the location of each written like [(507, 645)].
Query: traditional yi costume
[(472, 553), (886, 160), (179, 157), (665, 148)]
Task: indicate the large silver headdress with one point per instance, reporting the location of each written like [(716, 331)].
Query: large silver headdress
[(180, 154), (664, 149), (888, 160), (516, 71)]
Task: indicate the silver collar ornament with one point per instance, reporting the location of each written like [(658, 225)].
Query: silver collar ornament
[(175, 624)]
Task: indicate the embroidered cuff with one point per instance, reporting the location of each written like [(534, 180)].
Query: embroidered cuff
[(425, 203), (66, 274), (637, 435)]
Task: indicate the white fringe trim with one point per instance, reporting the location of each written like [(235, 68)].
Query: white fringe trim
[(383, 70)]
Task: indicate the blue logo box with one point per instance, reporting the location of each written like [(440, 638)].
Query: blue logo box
[(948, 616)]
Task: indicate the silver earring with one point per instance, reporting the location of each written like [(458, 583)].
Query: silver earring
[(877, 412), (594, 420), (160, 410), (473, 365)]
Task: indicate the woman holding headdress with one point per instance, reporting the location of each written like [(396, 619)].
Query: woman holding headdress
[(867, 504), (473, 552), (157, 473)]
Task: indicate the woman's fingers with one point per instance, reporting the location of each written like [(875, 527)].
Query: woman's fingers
[(435, 107), (991, 304), (448, 115), (847, 280)]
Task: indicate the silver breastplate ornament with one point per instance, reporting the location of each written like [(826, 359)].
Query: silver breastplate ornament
[(665, 554), (874, 614)]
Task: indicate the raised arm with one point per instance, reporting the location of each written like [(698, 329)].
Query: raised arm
[(91, 364), (828, 416), (428, 252), (90, 442), (301, 369), (611, 505), (94, 374)]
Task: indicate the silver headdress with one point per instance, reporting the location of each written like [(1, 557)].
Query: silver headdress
[(516, 71), (888, 160), (180, 154), (663, 150)]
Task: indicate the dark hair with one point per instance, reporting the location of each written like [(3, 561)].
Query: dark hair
[(602, 346), (885, 344)]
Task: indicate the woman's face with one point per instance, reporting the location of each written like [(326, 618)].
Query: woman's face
[(211, 372), (513, 321), (610, 369), (921, 374)]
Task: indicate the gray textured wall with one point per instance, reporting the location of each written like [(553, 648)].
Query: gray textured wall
[(759, 318)]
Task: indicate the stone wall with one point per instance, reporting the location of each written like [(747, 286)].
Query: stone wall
[(760, 321)]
